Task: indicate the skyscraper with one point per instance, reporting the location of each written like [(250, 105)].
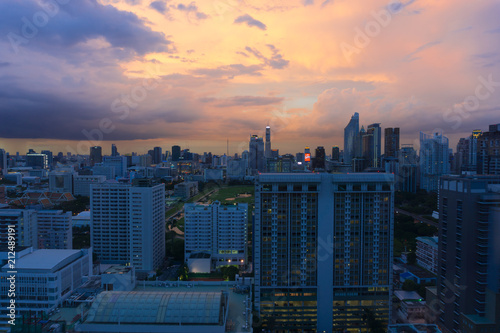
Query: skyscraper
[(335, 154), (372, 144), (488, 151), (128, 223), (117, 162), (469, 270), (268, 152), (157, 155), (3, 162), (37, 161), (50, 158), (351, 139), (391, 142), (434, 160), (95, 155), (114, 150), (256, 154), (176, 153), (319, 158), (322, 250)]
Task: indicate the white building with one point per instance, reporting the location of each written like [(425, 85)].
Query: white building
[(128, 224), (186, 190), (61, 182), (81, 184), (25, 222), (118, 162), (107, 171), (434, 160), (54, 229), (427, 253), (44, 279), (217, 230)]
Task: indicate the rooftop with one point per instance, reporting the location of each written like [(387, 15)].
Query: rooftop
[(46, 259)]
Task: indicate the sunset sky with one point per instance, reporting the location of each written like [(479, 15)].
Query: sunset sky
[(159, 73)]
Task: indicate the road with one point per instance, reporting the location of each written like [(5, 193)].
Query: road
[(417, 217)]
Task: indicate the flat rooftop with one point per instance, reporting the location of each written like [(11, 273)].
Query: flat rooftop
[(45, 259)]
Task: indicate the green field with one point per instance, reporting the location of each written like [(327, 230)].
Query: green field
[(225, 193)]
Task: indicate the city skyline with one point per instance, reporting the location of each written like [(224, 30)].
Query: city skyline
[(203, 72)]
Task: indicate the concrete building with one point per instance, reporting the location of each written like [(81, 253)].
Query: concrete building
[(391, 142), (217, 230), (61, 182), (54, 229), (128, 224), (268, 148), (95, 155), (186, 190), (117, 162), (3, 162), (434, 160), (407, 176), (213, 175), (236, 169), (81, 184), (427, 253), (106, 171), (468, 278), (25, 225), (82, 219), (323, 250), (488, 151), (44, 279), (37, 161)]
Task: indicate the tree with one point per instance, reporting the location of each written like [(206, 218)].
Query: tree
[(412, 258), (229, 272), (409, 285)]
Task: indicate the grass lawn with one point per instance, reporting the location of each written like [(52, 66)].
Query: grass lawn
[(233, 192)]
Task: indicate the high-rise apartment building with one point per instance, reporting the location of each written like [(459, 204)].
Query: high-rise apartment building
[(468, 285), (434, 160), (217, 230), (351, 139), (25, 225), (117, 162), (128, 223), (114, 150), (323, 250), (488, 151), (95, 155), (37, 161), (54, 229), (81, 184), (391, 142)]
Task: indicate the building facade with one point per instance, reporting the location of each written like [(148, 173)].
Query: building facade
[(323, 250), (55, 229), (218, 230), (434, 160), (468, 277), (81, 184), (128, 224), (488, 151), (25, 222), (427, 253), (351, 139)]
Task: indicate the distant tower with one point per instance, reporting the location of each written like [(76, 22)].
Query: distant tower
[(114, 150), (351, 139), (391, 142), (268, 151), (95, 155), (176, 153), (256, 153)]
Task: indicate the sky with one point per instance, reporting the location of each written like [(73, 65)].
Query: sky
[(142, 73)]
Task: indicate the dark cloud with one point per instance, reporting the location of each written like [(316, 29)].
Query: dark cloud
[(159, 6), (276, 61), (75, 23), (192, 8), (243, 101), (411, 56), (250, 21), (229, 71)]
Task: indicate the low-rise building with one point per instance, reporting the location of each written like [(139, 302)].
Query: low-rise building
[(427, 253)]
